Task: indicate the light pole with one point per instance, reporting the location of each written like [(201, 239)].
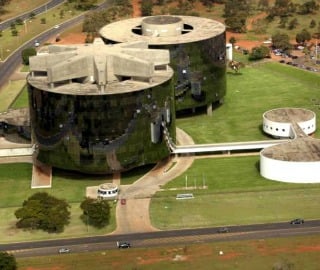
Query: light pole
[(316, 36), (25, 26)]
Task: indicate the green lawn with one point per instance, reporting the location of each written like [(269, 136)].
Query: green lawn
[(10, 93), (15, 182), (249, 94), (76, 228), (16, 7), (235, 194)]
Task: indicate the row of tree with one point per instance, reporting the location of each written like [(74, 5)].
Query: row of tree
[(42, 211), (236, 12)]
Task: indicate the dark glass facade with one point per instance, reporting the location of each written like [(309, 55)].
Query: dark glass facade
[(101, 133), (199, 72)]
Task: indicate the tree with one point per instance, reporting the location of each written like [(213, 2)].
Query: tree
[(236, 13), (308, 7), (258, 53), (303, 36), (312, 24), (232, 40), (281, 41), (282, 8), (84, 4), (293, 24), (146, 7), (42, 211), (26, 53), (7, 261), (95, 212)]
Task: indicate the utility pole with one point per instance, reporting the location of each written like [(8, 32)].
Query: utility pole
[(317, 37)]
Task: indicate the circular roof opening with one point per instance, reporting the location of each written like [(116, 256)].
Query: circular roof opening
[(162, 26), (158, 20)]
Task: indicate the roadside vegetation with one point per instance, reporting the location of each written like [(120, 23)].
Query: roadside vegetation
[(265, 254), (230, 191)]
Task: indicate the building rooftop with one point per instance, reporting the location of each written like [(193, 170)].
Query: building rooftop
[(289, 115), (301, 149), (193, 29), (99, 69)]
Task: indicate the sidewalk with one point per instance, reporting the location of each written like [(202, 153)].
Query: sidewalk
[(133, 216)]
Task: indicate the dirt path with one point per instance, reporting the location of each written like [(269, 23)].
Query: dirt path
[(136, 8)]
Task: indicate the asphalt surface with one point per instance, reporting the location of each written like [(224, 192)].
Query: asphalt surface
[(162, 238), (41, 9)]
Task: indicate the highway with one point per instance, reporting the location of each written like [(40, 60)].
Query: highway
[(162, 238), (41, 9), (12, 63)]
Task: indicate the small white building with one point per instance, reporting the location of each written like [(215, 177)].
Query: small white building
[(296, 161), (107, 191)]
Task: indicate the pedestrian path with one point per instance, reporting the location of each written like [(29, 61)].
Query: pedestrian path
[(133, 215)]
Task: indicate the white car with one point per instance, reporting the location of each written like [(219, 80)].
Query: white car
[(56, 26), (64, 250)]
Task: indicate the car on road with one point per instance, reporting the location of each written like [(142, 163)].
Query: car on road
[(64, 250), (36, 43), (123, 245), (56, 26), (223, 230), (297, 221)]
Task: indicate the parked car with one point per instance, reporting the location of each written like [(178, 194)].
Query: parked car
[(297, 221), (223, 230), (36, 43), (64, 250), (123, 245)]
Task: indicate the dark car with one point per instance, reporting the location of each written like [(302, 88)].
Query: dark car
[(123, 245), (223, 230), (297, 221)]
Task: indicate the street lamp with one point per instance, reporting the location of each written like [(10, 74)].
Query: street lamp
[(316, 36), (25, 26)]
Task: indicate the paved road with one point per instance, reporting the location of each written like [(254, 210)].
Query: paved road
[(159, 238), (6, 24)]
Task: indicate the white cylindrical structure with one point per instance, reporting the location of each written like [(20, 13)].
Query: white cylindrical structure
[(108, 191)]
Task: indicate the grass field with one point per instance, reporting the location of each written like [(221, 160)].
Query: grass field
[(235, 194), (17, 7), (255, 90), (15, 182), (9, 233), (266, 254)]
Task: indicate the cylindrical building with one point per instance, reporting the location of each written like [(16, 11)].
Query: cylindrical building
[(197, 54), (91, 106)]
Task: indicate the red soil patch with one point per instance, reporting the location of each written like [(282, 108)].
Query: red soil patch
[(136, 4), (230, 255), (43, 268), (70, 38)]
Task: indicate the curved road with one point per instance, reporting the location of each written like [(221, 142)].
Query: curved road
[(8, 67), (6, 24)]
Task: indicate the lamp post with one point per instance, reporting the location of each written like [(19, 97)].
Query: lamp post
[(25, 26), (316, 36)]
